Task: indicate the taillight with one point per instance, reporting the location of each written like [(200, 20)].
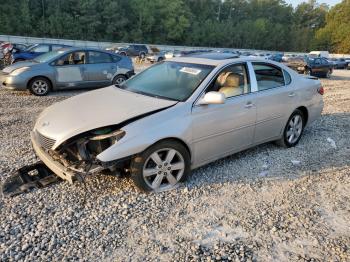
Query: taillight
[(320, 90)]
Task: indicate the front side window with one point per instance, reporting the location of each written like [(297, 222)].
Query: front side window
[(169, 80), (74, 58), (99, 57), (268, 76), (232, 81)]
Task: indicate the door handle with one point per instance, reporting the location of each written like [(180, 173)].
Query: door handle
[(249, 105), (291, 94)]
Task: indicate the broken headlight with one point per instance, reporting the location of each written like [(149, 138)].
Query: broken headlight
[(102, 139)]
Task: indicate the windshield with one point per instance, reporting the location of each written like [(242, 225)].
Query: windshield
[(169, 80), (47, 56), (31, 47)]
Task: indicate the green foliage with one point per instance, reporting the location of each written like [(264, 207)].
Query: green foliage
[(335, 35), (258, 24)]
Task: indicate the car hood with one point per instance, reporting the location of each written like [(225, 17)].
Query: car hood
[(95, 109), (17, 65)]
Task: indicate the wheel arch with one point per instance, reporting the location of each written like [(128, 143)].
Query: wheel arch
[(40, 76), (305, 112), (175, 139)]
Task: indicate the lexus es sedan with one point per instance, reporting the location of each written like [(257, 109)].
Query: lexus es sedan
[(175, 116), (67, 68)]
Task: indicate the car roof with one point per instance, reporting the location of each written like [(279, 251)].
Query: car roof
[(215, 62), (214, 55), (67, 49)]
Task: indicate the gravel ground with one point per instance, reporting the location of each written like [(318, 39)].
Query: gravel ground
[(253, 206)]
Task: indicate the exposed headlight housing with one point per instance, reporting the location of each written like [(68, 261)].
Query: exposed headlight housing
[(19, 71), (117, 135)]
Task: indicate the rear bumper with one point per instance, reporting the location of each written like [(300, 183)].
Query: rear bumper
[(53, 165), (130, 73)]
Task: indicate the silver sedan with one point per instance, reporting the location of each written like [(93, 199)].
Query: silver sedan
[(176, 116), (67, 68)]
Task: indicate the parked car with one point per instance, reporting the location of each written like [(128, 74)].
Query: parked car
[(176, 116), (134, 50), (276, 57), (34, 50), (318, 67), (314, 54), (338, 63), (67, 68), (156, 57), (18, 47)]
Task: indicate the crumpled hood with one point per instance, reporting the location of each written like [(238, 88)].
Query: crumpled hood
[(17, 65), (95, 109)]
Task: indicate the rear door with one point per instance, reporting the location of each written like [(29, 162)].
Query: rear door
[(70, 71), (99, 69), (275, 100)]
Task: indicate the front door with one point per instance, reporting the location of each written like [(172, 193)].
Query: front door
[(69, 70), (221, 129)]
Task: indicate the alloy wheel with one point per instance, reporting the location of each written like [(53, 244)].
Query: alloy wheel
[(40, 87), (295, 127), (163, 169)]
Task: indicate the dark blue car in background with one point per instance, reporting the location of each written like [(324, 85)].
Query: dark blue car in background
[(35, 50)]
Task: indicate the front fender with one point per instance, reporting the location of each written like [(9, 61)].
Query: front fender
[(173, 122)]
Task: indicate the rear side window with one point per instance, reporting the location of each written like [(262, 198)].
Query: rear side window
[(268, 76), (99, 57), (287, 77), (116, 58)]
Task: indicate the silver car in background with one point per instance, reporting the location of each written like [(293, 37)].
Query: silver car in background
[(176, 116), (67, 68)]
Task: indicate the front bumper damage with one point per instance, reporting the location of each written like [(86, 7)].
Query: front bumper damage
[(77, 158)]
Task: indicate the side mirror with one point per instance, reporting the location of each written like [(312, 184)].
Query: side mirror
[(212, 98)]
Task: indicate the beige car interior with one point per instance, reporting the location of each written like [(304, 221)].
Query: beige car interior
[(231, 83)]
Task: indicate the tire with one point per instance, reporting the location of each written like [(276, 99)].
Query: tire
[(308, 71), (142, 55), (297, 130), (40, 86), (328, 74), (160, 59), (162, 174), (119, 79)]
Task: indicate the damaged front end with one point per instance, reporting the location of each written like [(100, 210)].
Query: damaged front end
[(78, 155)]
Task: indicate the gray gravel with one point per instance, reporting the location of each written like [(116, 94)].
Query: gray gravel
[(263, 204)]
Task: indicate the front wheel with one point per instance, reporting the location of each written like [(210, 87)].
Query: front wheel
[(40, 86), (293, 130), (161, 167)]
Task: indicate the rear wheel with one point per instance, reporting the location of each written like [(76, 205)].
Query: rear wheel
[(142, 55), (161, 167), (119, 79), (293, 130), (40, 86), (328, 74), (308, 71)]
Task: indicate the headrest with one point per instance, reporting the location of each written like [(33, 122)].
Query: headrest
[(233, 80)]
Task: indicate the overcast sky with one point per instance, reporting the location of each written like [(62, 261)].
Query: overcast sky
[(329, 2)]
